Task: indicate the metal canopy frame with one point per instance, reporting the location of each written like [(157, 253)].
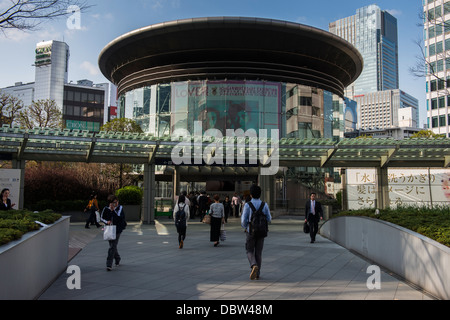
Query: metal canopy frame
[(133, 148)]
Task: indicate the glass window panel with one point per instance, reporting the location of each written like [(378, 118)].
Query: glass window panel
[(179, 121)]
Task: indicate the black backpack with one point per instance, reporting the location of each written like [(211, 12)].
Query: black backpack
[(180, 217), (258, 226)]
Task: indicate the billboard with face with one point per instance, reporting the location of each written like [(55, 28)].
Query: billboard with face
[(226, 105)]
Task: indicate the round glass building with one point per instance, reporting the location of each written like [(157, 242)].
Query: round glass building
[(232, 73)]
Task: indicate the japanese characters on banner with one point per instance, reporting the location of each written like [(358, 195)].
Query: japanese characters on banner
[(407, 187)]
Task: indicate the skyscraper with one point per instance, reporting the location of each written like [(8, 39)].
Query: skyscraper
[(380, 102), (374, 33), (84, 105), (52, 64), (437, 51)]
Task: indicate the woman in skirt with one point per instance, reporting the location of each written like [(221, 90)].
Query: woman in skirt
[(217, 213)]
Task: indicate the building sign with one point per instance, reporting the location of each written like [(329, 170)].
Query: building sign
[(407, 187), (112, 113), (43, 55), (10, 179), (83, 125)]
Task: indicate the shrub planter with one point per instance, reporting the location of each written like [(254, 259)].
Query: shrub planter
[(132, 212), (29, 265), (411, 255)]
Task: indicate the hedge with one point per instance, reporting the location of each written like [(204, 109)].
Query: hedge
[(131, 195), (15, 223)]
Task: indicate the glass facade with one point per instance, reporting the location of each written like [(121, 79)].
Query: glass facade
[(296, 111), (52, 62), (374, 33), (436, 15), (83, 108)]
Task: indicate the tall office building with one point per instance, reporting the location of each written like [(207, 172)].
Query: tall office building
[(380, 102), (387, 109), (52, 64), (374, 33), (84, 105), (437, 52)]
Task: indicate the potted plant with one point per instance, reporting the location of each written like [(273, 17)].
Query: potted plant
[(130, 197)]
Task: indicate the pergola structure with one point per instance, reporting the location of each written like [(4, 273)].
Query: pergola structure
[(44, 144)]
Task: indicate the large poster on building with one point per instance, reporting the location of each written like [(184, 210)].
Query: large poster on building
[(361, 188), (10, 179), (407, 187), (226, 105)]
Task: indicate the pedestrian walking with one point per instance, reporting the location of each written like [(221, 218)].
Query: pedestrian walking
[(313, 214), (193, 206), (236, 204), (255, 219), (202, 204), (113, 214), (227, 207), (91, 209), (217, 213), (181, 216)]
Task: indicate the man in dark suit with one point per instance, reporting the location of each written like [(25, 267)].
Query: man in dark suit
[(313, 214)]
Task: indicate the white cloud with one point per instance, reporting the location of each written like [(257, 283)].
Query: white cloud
[(89, 67), (14, 35)]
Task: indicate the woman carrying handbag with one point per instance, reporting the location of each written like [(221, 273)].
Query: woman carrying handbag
[(113, 215)]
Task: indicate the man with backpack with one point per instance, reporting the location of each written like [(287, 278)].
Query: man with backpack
[(181, 216), (255, 219)]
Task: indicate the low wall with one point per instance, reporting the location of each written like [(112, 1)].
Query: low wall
[(416, 258), (29, 265)]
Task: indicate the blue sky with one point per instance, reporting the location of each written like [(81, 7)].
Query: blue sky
[(109, 19)]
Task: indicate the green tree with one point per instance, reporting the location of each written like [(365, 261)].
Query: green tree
[(41, 114), (121, 125), (427, 134), (10, 108)]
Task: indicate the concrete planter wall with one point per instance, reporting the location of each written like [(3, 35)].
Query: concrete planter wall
[(416, 258), (132, 212), (29, 265)]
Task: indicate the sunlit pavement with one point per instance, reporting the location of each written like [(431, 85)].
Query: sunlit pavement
[(154, 268)]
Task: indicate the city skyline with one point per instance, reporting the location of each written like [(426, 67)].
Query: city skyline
[(107, 20)]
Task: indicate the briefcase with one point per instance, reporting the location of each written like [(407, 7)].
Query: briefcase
[(306, 227)]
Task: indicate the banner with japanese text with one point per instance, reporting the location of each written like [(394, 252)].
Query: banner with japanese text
[(407, 187)]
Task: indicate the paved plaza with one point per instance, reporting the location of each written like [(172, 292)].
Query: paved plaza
[(154, 268)]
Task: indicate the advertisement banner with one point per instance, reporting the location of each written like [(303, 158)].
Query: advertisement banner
[(10, 179), (226, 105), (361, 188), (407, 187)]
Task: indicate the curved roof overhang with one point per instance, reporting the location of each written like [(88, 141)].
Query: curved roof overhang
[(232, 48)]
